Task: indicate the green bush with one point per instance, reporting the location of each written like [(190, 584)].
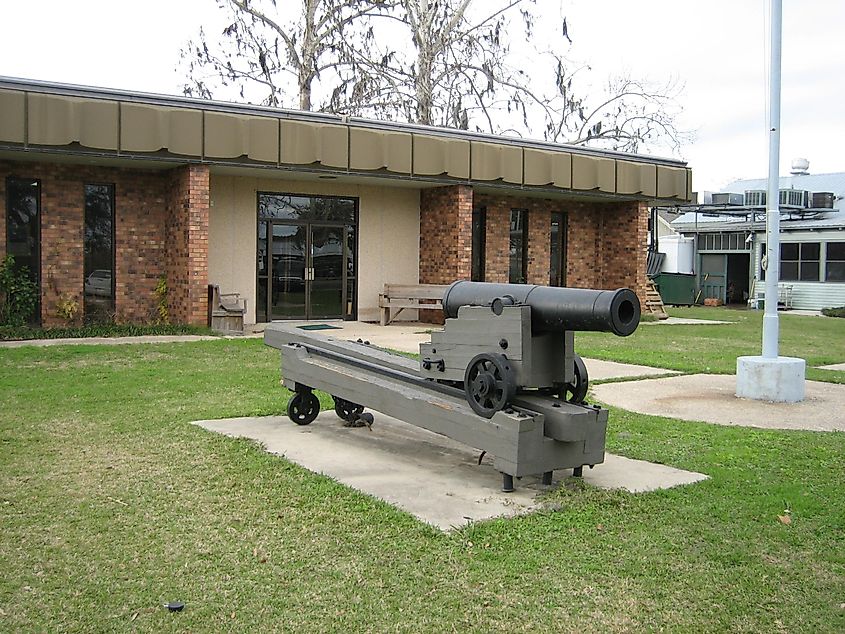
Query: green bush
[(18, 294), (11, 333), (834, 312)]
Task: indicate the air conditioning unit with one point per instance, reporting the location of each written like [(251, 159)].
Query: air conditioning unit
[(822, 200), (755, 198), (725, 198), (793, 197)]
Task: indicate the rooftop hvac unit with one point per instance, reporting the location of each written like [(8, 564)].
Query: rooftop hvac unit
[(755, 197), (822, 200), (725, 198), (793, 197)]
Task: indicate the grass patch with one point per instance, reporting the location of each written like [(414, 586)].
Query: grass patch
[(714, 348), (113, 504), (15, 333)]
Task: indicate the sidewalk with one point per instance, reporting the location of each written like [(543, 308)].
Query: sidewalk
[(107, 341)]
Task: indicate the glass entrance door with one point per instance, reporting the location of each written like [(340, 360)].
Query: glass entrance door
[(306, 264), (288, 296), (326, 262), (307, 271)]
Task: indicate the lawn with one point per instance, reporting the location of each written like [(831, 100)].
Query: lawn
[(714, 349), (113, 504)]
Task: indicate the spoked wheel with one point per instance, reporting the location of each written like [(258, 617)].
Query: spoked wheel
[(347, 410), (489, 383), (576, 391), (303, 408)]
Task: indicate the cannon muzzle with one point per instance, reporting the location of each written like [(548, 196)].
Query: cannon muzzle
[(553, 309)]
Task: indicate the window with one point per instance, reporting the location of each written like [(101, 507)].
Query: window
[(517, 273), (98, 248), (799, 261), (479, 243), (835, 269), (557, 250), (23, 236)]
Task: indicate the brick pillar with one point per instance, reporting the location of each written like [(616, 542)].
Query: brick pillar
[(62, 218), (187, 245), (445, 237), (497, 241), (624, 247), (539, 243)]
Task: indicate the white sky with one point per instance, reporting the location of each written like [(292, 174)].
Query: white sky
[(716, 48)]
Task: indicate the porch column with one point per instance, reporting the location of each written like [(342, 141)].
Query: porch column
[(187, 245), (445, 237)]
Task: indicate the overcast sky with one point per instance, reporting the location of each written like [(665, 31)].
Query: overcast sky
[(717, 49)]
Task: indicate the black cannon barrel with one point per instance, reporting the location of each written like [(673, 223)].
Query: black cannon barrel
[(553, 308)]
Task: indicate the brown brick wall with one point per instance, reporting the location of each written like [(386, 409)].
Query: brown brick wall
[(445, 238), (445, 234), (143, 204), (186, 244), (606, 241)]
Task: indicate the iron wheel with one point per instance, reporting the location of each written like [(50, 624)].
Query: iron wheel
[(303, 408), (489, 383)]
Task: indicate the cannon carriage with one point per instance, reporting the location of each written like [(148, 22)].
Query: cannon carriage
[(502, 376)]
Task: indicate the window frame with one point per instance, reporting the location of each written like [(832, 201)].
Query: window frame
[(524, 215), (113, 198), (827, 260)]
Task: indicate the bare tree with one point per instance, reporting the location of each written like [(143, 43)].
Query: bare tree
[(264, 51), (436, 62)]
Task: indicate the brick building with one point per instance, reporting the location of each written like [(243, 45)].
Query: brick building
[(304, 214)]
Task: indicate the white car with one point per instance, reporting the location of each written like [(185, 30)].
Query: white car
[(98, 283)]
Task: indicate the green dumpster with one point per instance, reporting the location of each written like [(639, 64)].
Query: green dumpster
[(676, 288)]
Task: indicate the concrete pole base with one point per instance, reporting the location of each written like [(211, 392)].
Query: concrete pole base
[(779, 379)]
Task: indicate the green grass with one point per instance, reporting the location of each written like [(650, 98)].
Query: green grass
[(113, 504), (714, 349)]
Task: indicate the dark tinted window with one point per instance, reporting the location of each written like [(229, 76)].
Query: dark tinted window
[(479, 243), (306, 208), (518, 246), (98, 246), (557, 250), (23, 197), (835, 267)]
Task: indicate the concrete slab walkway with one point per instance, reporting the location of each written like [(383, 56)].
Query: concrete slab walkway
[(711, 398), (430, 476), (835, 366)]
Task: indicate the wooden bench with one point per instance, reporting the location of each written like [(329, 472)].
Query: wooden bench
[(404, 296), (226, 311)]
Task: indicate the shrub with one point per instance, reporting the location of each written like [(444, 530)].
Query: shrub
[(162, 308), (19, 294), (9, 333), (834, 312), (67, 308)]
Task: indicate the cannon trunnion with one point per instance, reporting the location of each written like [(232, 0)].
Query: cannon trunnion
[(502, 376)]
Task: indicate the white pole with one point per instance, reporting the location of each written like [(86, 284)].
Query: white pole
[(770, 318)]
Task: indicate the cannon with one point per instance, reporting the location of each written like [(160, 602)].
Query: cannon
[(500, 339), (502, 376)]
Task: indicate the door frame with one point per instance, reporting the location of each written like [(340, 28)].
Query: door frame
[(352, 315)]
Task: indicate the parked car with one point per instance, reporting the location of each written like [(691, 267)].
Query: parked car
[(98, 283)]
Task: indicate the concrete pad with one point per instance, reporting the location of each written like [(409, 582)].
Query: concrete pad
[(602, 370), (836, 366), (778, 379), (432, 477), (685, 321), (711, 398)]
